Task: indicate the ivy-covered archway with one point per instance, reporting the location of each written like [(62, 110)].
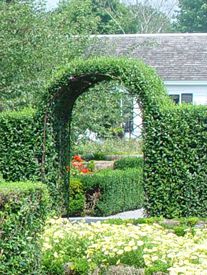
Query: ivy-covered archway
[(75, 79)]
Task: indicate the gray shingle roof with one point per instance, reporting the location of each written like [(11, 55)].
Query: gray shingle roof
[(174, 56)]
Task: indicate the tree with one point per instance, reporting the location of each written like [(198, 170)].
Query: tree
[(104, 112), (192, 16), (151, 16), (35, 43), (114, 17)]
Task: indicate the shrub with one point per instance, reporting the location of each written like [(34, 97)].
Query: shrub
[(98, 150), (176, 163), (128, 162), (175, 151), (77, 198), (23, 210), (18, 142), (114, 191)]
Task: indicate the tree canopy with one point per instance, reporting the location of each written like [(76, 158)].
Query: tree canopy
[(34, 43), (192, 16)]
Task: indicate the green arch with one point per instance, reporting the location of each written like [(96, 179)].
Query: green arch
[(68, 84)]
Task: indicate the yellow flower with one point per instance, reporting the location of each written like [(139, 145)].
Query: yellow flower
[(120, 252), (127, 248)]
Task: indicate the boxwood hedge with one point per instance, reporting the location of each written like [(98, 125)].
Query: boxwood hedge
[(19, 158), (174, 137), (128, 162), (114, 191), (176, 162), (23, 210)]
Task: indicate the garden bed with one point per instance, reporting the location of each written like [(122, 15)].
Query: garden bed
[(148, 246)]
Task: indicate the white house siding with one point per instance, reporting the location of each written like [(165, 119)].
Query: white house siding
[(197, 88)]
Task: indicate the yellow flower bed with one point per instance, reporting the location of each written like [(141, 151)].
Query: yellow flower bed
[(145, 246)]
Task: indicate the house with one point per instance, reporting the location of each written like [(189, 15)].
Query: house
[(180, 60)]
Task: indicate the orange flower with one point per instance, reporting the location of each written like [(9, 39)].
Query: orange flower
[(77, 164), (85, 170), (77, 158)]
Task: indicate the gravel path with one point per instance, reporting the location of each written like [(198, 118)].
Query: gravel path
[(134, 214)]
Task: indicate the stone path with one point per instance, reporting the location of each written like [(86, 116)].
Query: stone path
[(134, 214), (103, 164)]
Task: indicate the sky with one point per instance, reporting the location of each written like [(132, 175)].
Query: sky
[(166, 4), (51, 4)]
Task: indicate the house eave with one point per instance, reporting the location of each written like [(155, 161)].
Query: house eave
[(186, 83)]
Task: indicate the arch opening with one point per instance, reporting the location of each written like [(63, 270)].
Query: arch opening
[(76, 79)]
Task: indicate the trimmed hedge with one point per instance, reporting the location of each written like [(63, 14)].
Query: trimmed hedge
[(19, 159), (128, 162), (175, 137), (175, 178), (116, 190), (23, 210)]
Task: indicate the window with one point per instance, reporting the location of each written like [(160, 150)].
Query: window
[(187, 98), (182, 98), (175, 98)]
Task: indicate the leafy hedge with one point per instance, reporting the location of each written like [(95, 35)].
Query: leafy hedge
[(128, 162), (175, 179), (174, 137), (18, 146), (77, 198), (114, 190), (23, 210)]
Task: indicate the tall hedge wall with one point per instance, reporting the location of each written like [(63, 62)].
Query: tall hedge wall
[(175, 166), (19, 146), (23, 210), (174, 137)]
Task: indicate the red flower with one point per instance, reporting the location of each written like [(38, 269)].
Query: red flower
[(85, 170), (77, 158)]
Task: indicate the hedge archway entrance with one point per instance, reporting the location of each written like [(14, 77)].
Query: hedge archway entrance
[(75, 79)]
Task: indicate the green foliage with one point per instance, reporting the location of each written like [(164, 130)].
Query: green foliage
[(36, 44), (175, 164), (20, 155), (23, 210), (67, 86), (150, 19), (113, 146), (103, 248), (76, 198), (128, 162), (116, 190), (105, 118), (192, 16), (114, 17)]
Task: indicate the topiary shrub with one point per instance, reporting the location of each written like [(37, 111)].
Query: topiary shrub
[(112, 191), (23, 210), (128, 162), (175, 157)]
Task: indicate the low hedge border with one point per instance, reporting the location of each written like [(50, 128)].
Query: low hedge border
[(23, 210), (128, 162), (112, 191)]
